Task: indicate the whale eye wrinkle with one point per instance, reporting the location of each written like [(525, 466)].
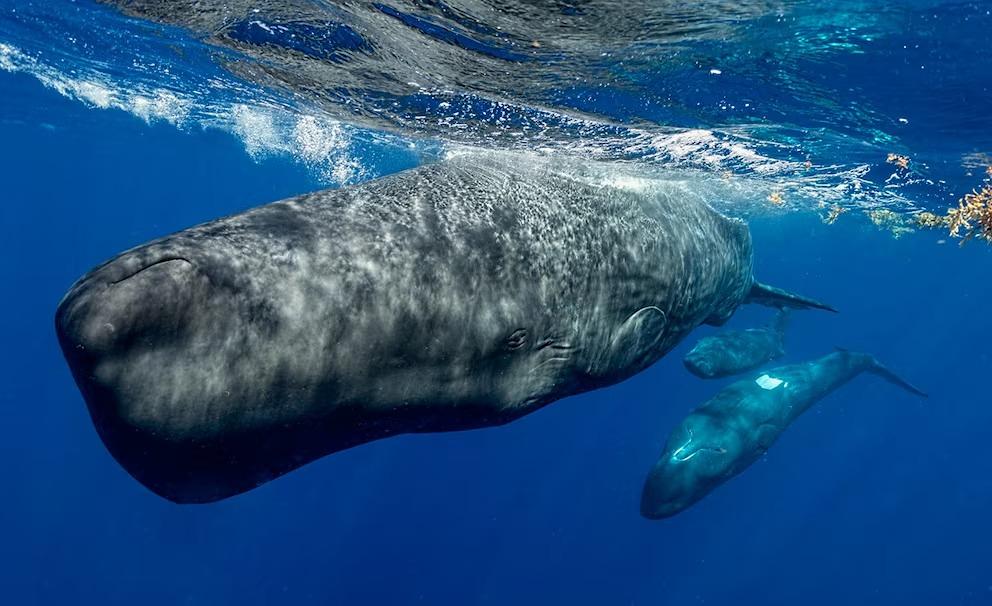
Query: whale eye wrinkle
[(517, 339)]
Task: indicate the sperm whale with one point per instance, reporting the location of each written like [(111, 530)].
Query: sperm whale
[(455, 295), (732, 352), (721, 438)]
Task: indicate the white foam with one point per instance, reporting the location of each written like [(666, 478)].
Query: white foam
[(99, 90), (164, 105), (323, 145), (267, 126), (257, 130)]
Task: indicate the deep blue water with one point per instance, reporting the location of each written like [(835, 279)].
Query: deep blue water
[(873, 497)]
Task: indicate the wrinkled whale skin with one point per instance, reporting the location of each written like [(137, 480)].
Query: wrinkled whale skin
[(456, 295)]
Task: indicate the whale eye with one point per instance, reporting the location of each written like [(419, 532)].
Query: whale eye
[(517, 339)]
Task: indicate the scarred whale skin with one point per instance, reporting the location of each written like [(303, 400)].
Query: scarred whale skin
[(451, 296), (733, 429)]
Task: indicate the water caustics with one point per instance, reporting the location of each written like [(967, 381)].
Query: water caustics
[(763, 98)]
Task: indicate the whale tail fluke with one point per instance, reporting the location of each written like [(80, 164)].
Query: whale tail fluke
[(877, 368), (763, 294), (881, 370)]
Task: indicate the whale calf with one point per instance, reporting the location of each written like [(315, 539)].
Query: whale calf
[(735, 351), (721, 438), (455, 295)]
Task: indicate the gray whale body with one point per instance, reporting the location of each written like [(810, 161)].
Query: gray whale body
[(452, 296)]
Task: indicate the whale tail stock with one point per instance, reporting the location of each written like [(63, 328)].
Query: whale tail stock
[(877, 368), (763, 294)]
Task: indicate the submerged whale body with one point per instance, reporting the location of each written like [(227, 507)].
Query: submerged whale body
[(735, 351), (452, 296), (721, 438)]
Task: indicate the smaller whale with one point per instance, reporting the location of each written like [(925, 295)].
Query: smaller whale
[(725, 435), (735, 351)]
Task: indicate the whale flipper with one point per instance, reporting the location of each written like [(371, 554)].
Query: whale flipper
[(763, 294), (638, 335)]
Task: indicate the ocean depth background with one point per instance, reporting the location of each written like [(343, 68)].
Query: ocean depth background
[(873, 497)]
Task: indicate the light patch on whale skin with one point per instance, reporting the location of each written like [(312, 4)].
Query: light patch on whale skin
[(769, 382)]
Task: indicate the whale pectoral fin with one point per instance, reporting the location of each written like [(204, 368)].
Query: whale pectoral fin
[(638, 336), (764, 294)]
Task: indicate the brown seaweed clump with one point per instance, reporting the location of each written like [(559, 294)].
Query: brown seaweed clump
[(900, 161), (931, 220), (895, 223), (973, 216)]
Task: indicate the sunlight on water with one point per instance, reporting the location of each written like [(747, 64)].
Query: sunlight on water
[(654, 84)]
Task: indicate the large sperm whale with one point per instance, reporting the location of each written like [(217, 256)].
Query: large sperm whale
[(456, 295), (732, 352), (721, 438)]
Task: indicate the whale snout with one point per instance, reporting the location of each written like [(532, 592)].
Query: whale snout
[(125, 305), (665, 493), (120, 325), (127, 330), (160, 349), (697, 458), (699, 365)]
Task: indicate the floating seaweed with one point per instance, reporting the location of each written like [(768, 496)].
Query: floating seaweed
[(902, 162), (895, 223), (776, 198), (834, 213), (930, 220), (973, 216)]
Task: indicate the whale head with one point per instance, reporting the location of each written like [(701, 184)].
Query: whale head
[(695, 461), (700, 361), (160, 342), (140, 298)]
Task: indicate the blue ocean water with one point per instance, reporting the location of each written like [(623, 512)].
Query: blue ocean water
[(873, 497)]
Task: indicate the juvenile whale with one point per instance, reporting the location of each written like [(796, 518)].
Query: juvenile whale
[(456, 295), (732, 352), (721, 438)]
